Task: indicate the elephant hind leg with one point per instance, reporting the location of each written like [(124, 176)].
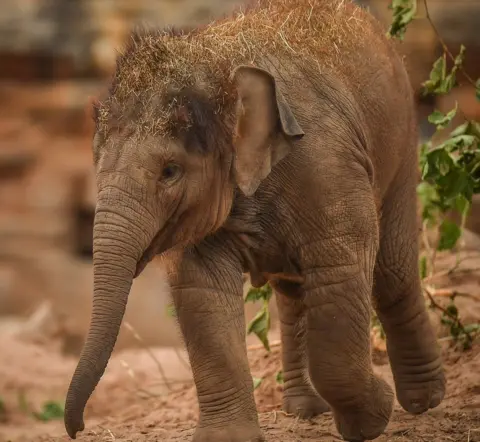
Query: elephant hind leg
[(411, 341), (299, 397)]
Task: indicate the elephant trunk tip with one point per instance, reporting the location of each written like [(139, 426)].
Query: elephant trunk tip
[(73, 424)]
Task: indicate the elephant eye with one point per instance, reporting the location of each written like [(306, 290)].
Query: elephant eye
[(171, 171)]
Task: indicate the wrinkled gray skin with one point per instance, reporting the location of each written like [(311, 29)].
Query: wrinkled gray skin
[(321, 192)]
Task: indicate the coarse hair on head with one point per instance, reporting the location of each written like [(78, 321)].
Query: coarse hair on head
[(158, 72)]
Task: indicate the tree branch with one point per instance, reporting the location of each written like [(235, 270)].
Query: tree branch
[(444, 45)]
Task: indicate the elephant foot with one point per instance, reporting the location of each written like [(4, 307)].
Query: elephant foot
[(420, 393), (244, 432), (417, 367), (304, 404), (370, 417)]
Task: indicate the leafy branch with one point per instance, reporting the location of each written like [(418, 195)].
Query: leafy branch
[(451, 170), (403, 13), (444, 45), (260, 324), (450, 317)]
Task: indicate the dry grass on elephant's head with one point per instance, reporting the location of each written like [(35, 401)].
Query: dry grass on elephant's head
[(158, 63)]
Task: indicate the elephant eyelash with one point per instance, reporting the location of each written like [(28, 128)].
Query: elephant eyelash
[(171, 170)]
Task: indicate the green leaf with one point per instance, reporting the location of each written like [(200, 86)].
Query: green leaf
[(472, 328), (442, 120), (428, 197), (460, 58), (257, 294), (451, 80), (51, 410), (462, 205), (457, 182), (467, 128), (439, 82), (256, 382), (445, 320), (449, 235), (403, 13), (438, 163), (477, 89), (260, 326), (437, 76), (253, 295), (458, 142), (452, 310), (376, 324), (171, 312), (279, 377), (423, 267), (461, 129)]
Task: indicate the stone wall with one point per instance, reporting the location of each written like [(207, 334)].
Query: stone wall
[(80, 37)]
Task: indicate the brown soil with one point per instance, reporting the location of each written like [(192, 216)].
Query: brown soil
[(133, 403)]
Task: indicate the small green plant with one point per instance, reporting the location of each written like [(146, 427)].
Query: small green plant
[(260, 324), (376, 325), (171, 312), (403, 13), (256, 382), (50, 410), (279, 377)]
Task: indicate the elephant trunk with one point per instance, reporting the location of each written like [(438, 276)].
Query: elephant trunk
[(118, 244)]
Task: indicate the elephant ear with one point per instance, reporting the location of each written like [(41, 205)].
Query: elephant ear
[(265, 127)]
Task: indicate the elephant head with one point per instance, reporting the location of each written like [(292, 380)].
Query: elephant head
[(157, 191)]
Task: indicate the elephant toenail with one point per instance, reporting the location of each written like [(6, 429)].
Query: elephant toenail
[(417, 407)]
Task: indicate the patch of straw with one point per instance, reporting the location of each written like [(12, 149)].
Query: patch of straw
[(156, 63)]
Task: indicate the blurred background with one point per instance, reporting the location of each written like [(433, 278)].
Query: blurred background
[(54, 54)]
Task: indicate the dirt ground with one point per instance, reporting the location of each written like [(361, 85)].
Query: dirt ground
[(134, 403)]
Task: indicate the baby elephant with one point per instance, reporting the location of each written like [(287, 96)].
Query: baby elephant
[(281, 142)]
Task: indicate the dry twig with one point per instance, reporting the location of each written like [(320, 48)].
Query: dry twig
[(149, 351), (451, 271), (131, 373), (112, 436)]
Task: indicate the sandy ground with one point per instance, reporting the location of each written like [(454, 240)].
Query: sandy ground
[(133, 402)]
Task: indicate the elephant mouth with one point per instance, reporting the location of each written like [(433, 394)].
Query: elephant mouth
[(148, 255), (156, 247)]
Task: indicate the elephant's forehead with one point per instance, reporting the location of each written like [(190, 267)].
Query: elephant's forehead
[(135, 150)]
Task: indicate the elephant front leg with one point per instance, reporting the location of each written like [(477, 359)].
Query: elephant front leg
[(338, 268), (210, 311), (299, 397)]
